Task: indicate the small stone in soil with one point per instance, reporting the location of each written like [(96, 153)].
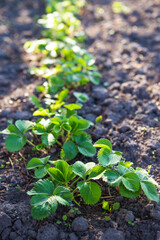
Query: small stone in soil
[(5, 221), (80, 224), (113, 234), (5, 233), (47, 232), (129, 216), (72, 236), (155, 213), (158, 235)]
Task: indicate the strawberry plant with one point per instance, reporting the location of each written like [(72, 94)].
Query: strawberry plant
[(79, 181), (67, 65)]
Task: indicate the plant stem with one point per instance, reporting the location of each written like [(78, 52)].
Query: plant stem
[(60, 144), (76, 202), (75, 181), (33, 145), (75, 190)]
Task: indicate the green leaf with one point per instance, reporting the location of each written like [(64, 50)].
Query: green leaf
[(131, 181), (15, 143), (42, 187), (57, 128), (39, 129), (126, 164), (42, 112), (46, 199), (116, 206), (34, 162), (62, 95), (66, 127), (127, 193), (90, 192), (56, 174), (112, 177), (64, 193), (99, 119), (41, 172), (70, 150), (104, 143), (106, 158), (35, 101), (96, 172), (66, 170), (122, 169), (150, 191), (48, 139), (105, 205), (73, 106), (79, 169), (87, 149), (82, 97), (10, 130), (83, 124)]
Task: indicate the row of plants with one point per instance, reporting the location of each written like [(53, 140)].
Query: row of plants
[(65, 66)]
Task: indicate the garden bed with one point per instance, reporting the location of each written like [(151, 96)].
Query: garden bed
[(126, 48)]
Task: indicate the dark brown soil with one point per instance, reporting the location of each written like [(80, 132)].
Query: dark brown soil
[(127, 52)]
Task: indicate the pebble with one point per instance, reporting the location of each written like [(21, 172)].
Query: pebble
[(80, 224), (5, 233), (124, 128), (47, 232), (112, 234), (18, 224), (99, 92), (13, 236), (5, 221), (91, 117), (158, 235), (72, 236), (129, 216), (155, 213)]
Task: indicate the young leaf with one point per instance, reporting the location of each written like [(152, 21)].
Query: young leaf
[(127, 193), (150, 191), (35, 101), (106, 158), (96, 172), (23, 125), (65, 169), (90, 192), (87, 149), (79, 169), (70, 150), (82, 97), (103, 143), (112, 177), (131, 181), (10, 130), (46, 199), (56, 174), (36, 162), (41, 172), (116, 206), (48, 139), (73, 106), (15, 143), (105, 205)]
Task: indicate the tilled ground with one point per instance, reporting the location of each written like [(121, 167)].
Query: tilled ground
[(127, 52)]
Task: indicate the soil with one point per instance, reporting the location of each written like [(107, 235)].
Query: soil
[(127, 52)]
